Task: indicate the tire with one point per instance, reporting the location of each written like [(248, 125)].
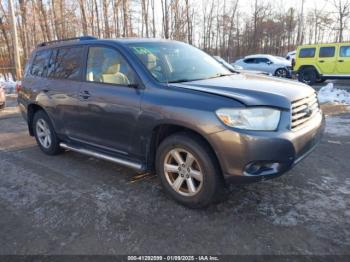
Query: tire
[(308, 76), (198, 184), (320, 80), (3, 106), (43, 129), (281, 72)]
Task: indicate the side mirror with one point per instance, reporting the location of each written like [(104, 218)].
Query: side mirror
[(269, 63)]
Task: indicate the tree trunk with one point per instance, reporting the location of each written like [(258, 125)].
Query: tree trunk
[(97, 19), (105, 15), (153, 19), (83, 16)]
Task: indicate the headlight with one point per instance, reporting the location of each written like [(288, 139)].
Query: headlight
[(237, 67), (257, 118)]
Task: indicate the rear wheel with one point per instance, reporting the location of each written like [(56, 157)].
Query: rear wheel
[(308, 76), (188, 170), (45, 134)]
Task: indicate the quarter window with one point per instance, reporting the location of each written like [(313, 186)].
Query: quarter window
[(106, 65), (327, 51), (65, 63), (307, 52), (40, 63), (345, 51)]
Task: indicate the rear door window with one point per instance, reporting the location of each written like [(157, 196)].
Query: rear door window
[(307, 52), (262, 60), (344, 51), (40, 63), (250, 61), (327, 51), (65, 63)]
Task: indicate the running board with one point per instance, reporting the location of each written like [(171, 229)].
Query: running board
[(102, 156)]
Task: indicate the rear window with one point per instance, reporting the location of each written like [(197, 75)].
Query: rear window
[(345, 51), (40, 63), (65, 63), (307, 52), (327, 51)]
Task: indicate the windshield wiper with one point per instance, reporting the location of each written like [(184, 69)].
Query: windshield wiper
[(190, 80), (183, 80), (220, 75)]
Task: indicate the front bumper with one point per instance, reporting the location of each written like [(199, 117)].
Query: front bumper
[(236, 151)]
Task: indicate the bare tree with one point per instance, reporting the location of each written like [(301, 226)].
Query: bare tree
[(165, 12), (83, 16), (153, 19), (343, 14), (105, 16)]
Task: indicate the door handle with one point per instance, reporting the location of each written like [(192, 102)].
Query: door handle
[(84, 94), (341, 61), (321, 61)]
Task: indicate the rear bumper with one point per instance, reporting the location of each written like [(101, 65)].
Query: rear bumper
[(268, 154)]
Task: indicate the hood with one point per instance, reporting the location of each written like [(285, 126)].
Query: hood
[(252, 90), (285, 63)]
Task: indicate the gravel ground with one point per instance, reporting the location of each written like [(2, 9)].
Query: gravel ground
[(73, 204)]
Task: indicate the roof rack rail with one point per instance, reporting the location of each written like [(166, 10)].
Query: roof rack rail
[(81, 38)]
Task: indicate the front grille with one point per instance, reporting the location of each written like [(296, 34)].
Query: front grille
[(303, 110)]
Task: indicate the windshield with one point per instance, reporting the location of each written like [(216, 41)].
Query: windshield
[(171, 62)]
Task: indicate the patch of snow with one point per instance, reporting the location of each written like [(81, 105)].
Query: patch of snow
[(331, 94)]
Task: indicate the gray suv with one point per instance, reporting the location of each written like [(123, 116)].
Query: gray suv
[(165, 106)]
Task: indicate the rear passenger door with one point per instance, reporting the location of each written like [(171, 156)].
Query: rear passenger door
[(250, 64), (109, 101), (343, 62), (327, 59), (64, 80), (263, 64)]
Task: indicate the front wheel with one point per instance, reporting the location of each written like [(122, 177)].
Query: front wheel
[(45, 134), (320, 80), (307, 76), (281, 72), (188, 170)]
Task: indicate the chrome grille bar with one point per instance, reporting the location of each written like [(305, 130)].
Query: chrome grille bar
[(302, 110)]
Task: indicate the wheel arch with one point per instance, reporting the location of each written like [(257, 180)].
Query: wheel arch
[(278, 68), (310, 66), (162, 131), (31, 110)]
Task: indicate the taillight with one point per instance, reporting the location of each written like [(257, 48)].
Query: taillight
[(18, 86)]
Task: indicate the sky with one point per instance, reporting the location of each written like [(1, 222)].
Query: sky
[(246, 7)]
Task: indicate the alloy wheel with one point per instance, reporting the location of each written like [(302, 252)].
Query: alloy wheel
[(183, 172), (43, 133), (281, 73)]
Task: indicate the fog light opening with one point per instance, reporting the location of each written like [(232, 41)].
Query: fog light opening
[(261, 168)]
